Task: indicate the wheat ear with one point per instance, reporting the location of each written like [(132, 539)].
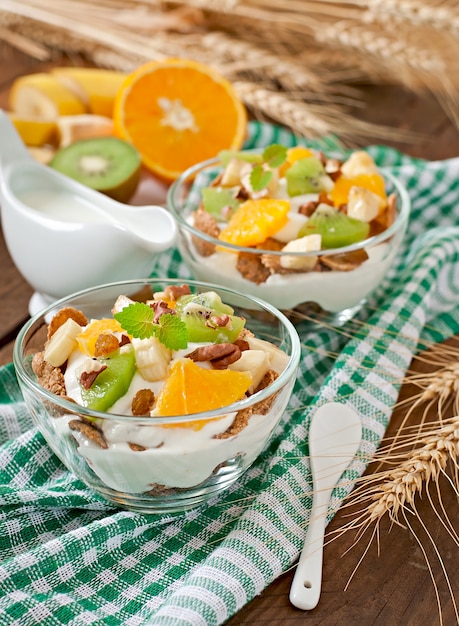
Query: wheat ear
[(442, 16)]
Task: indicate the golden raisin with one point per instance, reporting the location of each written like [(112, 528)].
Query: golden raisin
[(142, 402), (105, 343)]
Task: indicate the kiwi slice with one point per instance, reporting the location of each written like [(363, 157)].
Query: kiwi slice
[(106, 164), (218, 199), (197, 310), (113, 382), (337, 229), (225, 156), (306, 176)]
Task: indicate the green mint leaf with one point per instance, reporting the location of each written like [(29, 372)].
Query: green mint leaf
[(137, 320), (274, 155), (260, 178), (173, 331)]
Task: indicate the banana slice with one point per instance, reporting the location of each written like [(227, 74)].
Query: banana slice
[(42, 154), (96, 87), (278, 360), (35, 131), (360, 162), (308, 243), (86, 126), (62, 343), (254, 361), (152, 358), (42, 95), (231, 176)]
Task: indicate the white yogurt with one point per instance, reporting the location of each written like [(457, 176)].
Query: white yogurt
[(178, 457), (175, 456), (334, 291)]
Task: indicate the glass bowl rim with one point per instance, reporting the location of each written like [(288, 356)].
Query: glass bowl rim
[(73, 408), (399, 222)]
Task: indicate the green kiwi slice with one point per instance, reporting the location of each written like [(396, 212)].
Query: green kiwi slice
[(337, 229), (306, 176), (112, 383), (197, 310), (217, 201), (106, 164)]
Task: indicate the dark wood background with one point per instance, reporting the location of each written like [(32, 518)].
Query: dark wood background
[(395, 586)]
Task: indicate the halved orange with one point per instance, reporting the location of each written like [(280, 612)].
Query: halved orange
[(178, 112), (191, 388)]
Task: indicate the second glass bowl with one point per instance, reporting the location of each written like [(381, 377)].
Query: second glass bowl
[(327, 296)]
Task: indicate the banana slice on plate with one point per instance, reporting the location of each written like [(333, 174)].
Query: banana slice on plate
[(43, 95), (96, 87)]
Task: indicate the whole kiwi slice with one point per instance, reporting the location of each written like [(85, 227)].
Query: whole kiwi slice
[(107, 164), (337, 229)]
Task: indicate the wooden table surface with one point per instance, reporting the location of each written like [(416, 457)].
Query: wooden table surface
[(391, 588)]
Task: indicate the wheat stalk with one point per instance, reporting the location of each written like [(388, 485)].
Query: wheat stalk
[(437, 14), (424, 465), (305, 51)]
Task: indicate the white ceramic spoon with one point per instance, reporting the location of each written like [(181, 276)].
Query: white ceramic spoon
[(334, 438)]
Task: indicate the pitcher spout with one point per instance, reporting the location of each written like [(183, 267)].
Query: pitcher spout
[(12, 147)]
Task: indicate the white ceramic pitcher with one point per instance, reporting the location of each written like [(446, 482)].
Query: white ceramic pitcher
[(64, 236)]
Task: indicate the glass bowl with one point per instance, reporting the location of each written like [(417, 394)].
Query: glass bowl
[(159, 464), (329, 295)]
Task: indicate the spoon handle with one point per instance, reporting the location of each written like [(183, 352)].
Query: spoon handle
[(307, 582)]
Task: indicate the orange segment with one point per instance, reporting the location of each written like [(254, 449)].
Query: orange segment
[(178, 112), (373, 182), (191, 389), (254, 221), (88, 337)]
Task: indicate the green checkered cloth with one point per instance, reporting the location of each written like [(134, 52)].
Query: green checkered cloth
[(67, 557)]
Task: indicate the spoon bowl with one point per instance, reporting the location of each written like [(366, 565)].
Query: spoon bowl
[(334, 438)]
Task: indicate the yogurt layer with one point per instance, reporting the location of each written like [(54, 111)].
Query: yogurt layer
[(135, 453), (334, 291), (174, 457)]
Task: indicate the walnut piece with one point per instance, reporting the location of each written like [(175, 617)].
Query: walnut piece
[(207, 224), (220, 355), (173, 292)]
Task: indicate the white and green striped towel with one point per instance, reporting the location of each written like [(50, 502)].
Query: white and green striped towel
[(66, 557)]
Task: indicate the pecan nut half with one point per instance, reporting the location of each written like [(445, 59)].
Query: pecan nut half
[(220, 355)]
